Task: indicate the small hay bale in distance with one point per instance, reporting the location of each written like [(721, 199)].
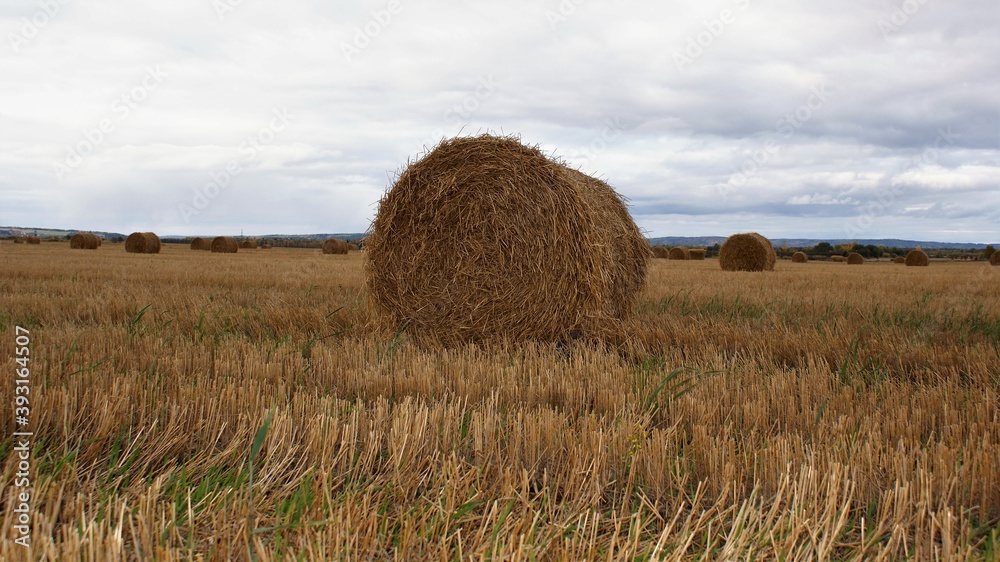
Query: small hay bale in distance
[(265, 246), (678, 253), (19, 241), (142, 243), (747, 252), (225, 245), (83, 241), (352, 247), (995, 258), (34, 240), (335, 246), (202, 244), (899, 259), (486, 239), (661, 252), (855, 258), (697, 253), (799, 257), (838, 259), (247, 244), (917, 258)]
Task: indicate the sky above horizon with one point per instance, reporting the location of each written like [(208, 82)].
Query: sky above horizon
[(857, 119)]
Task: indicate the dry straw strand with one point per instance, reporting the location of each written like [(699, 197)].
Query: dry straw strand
[(335, 246), (800, 257), (855, 258), (678, 253), (747, 252), (917, 258), (225, 245), (484, 238)]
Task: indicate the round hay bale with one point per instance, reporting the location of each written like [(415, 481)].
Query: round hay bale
[(697, 253), (917, 258), (747, 252), (334, 246), (661, 252), (799, 257), (224, 245), (33, 240), (247, 244), (203, 244), (83, 241), (995, 258), (352, 247), (142, 243), (678, 253), (855, 258), (484, 238), (838, 259), (18, 241), (265, 246), (898, 259)]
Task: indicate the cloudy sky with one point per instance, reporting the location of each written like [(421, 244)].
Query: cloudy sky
[(853, 119)]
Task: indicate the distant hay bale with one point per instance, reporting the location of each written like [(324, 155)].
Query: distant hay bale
[(995, 258), (484, 238), (202, 244), (19, 241), (697, 253), (83, 241), (661, 252), (838, 259), (800, 257), (224, 245), (917, 258), (678, 253), (747, 252), (247, 244), (334, 246), (265, 246), (142, 243), (352, 247), (33, 240), (898, 259), (855, 258)]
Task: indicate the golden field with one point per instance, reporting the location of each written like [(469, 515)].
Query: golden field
[(818, 412)]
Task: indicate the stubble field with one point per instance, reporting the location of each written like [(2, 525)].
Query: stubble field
[(822, 411)]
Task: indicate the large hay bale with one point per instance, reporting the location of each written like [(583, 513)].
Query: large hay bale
[(855, 258), (678, 253), (142, 243), (747, 252), (203, 244), (83, 241), (661, 252), (917, 258), (898, 259), (697, 253), (995, 258), (838, 259), (799, 257), (225, 245), (33, 240), (484, 238), (334, 246)]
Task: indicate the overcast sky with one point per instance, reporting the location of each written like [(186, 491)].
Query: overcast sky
[(851, 119)]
